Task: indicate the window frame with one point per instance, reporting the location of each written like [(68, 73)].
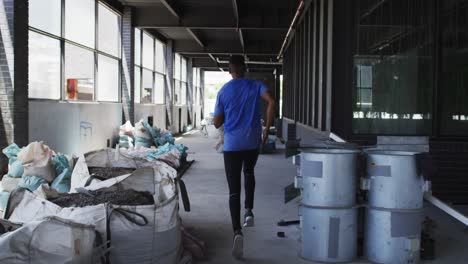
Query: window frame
[(95, 50)]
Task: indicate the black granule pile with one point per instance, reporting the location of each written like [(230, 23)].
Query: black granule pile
[(127, 197), (108, 173)]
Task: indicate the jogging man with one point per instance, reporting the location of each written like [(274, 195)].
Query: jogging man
[(238, 108)]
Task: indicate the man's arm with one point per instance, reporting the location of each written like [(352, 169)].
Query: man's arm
[(270, 113), (218, 120)]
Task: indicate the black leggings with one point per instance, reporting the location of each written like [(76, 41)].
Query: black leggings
[(233, 163)]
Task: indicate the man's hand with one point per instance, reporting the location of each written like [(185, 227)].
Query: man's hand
[(270, 115), (218, 121), (265, 137)]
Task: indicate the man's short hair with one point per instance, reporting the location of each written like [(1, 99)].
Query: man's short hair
[(237, 64)]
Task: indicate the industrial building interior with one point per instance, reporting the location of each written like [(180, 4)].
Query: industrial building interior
[(369, 156)]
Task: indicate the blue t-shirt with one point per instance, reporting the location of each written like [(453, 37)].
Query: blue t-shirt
[(239, 101)]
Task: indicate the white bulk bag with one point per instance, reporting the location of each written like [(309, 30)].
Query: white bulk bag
[(49, 241), (117, 158), (152, 237)]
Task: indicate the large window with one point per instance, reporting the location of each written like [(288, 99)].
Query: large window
[(195, 84), (137, 84), (180, 80), (79, 73), (393, 67), (149, 68), (91, 65), (160, 67), (453, 88), (46, 15), (44, 67), (80, 22), (109, 31), (108, 79), (147, 83), (148, 51)]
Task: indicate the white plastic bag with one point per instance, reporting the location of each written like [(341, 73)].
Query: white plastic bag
[(141, 132), (126, 129), (8, 183), (37, 161)]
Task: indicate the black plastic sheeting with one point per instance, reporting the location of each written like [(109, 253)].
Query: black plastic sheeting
[(90, 198), (105, 173)]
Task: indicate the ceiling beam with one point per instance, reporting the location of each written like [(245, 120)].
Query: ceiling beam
[(235, 7), (207, 62), (214, 27), (222, 47), (170, 8), (372, 8), (241, 37), (212, 57), (205, 19), (236, 11), (195, 37)]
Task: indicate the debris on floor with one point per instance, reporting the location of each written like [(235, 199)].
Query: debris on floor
[(151, 143), (192, 244)]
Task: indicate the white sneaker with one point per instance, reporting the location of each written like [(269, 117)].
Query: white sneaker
[(249, 219), (238, 246)]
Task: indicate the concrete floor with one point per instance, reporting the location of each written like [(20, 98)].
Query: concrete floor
[(210, 218)]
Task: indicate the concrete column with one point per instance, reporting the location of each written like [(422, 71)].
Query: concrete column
[(169, 84), (277, 91), (190, 93), (202, 94), (21, 80), (128, 68)]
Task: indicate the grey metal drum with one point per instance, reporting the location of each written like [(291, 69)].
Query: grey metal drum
[(393, 180), (329, 235), (392, 237), (329, 177)]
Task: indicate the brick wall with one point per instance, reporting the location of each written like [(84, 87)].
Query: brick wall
[(6, 76), (6, 71), (13, 74)]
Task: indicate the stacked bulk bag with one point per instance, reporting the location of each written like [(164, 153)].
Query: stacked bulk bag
[(142, 135), (113, 158), (51, 240), (126, 135), (146, 138), (137, 233), (34, 165)]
